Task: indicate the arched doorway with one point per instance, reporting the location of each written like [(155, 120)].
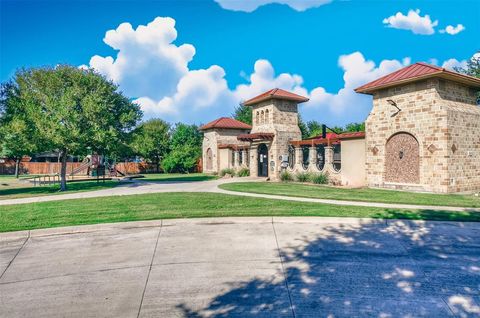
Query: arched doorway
[(402, 159), (209, 162), (262, 160)]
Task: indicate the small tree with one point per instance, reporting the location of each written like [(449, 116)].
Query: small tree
[(243, 114), (72, 110), (151, 140), (472, 69), (354, 127), (303, 127), (186, 149)]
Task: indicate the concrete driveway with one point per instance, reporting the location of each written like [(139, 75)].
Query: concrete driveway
[(243, 267)]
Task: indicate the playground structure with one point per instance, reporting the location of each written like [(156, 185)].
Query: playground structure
[(93, 167)]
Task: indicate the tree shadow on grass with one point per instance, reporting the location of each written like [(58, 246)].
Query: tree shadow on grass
[(18, 192), (372, 268)]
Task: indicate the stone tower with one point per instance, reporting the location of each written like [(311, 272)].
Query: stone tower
[(423, 132), (274, 124)]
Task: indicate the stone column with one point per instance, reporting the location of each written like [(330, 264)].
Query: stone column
[(253, 161), (236, 158), (312, 155), (328, 156), (245, 157), (298, 158)]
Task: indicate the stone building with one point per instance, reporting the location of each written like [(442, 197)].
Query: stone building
[(422, 134), (221, 149)]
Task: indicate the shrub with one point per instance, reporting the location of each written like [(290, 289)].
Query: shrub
[(244, 172), (286, 176), (319, 178), (225, 171), (303, 177)]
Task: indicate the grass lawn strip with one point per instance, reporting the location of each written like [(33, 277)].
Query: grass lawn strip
[(358, 194), (190, 205)]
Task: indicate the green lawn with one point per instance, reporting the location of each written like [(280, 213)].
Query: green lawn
[(361, 194), (163, 177), (188, 205), (11, 188)]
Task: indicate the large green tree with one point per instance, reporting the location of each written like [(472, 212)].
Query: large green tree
[(72, 110), (151, 140), (17, 137), (472, 69), (186, 149), (243, 114)]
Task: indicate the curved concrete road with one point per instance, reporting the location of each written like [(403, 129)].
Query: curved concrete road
[(142, 187), (243, 267)]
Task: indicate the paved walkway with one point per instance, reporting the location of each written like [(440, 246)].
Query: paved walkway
[(142, 187), (243, 267)]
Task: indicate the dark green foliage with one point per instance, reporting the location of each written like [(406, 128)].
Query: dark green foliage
[(244, 172), (286, 176), (303, 176), (151, 140), (186, 149), (243, 114), (319, 178), (225, 171), (303, 127)]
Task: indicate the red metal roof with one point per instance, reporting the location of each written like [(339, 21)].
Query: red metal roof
[(226, 123), (275, 93), (233, 146), (256, 136), (414, 72), (331, 138)]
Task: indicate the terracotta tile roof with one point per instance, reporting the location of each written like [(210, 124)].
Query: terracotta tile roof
[(415, 72), (256, 136), (226, 123), (275, 93)]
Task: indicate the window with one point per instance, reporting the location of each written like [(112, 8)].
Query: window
[(240, 157), (337, 158), (267, 119), (291, 157), (306, 159), (257, 117), (320, 157), (233, 157), (263, 117)]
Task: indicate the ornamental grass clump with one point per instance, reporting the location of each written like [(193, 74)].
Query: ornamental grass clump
[(319, 178), (286, 176), (303, 177), (226, 171), (244, 172)]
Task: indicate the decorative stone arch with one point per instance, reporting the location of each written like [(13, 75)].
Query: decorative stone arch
[(209, 163), (402, 158)]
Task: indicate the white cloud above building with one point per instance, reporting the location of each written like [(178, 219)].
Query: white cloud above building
[(252, 5), (450, 29), (154, 70), (413, 21)]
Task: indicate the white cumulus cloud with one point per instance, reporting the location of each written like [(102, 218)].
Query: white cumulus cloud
[(147, 61), (413, 21), (252, 5), (151, 68), (450, 29)]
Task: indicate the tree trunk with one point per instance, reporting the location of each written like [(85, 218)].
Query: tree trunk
[(63, 171), (17, 166)]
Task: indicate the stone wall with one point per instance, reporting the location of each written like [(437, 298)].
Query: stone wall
[(437, 113), (212, 138), (282, 120), (463, 123)]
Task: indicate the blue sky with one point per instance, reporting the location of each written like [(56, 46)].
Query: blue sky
[(210, 55)]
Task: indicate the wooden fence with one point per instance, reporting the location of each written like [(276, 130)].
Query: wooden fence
[(8, 167)]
